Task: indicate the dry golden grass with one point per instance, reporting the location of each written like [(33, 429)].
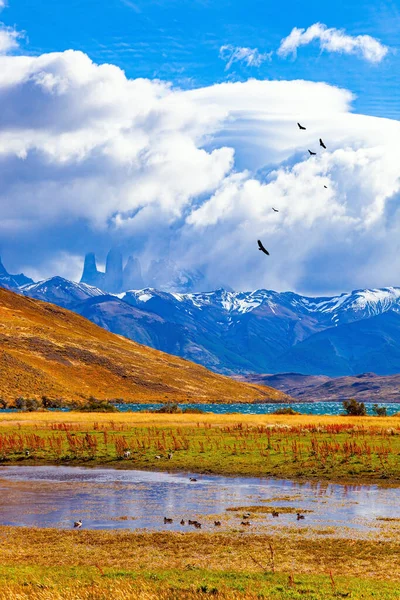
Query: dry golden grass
[(213, 551), (46, 350), (131, 419), (47, 563)]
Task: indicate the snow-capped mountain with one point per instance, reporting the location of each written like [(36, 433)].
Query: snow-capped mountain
[(243, 332), (60, 291), (353, 306)]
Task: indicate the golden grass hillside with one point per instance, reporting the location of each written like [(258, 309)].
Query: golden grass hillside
[(47, 350)]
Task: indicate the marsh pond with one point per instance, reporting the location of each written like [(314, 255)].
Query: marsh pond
[(47, 496)]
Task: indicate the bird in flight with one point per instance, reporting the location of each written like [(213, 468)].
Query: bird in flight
[(312, 153), (301, 126), (261, 247), (275, 209), (321, 143), (326, 187), (78, 524)]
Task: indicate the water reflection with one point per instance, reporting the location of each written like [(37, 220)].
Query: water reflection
[(110, 499)]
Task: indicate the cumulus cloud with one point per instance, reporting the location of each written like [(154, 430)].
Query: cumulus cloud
[(90, 159), (334, 40), (252, 57)]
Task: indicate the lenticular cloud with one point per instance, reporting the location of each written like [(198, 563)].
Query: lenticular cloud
[(90, 158)]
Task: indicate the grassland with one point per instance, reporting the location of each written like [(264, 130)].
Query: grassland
[(44, 564), (312, 447), (46, 350), (50, 564)]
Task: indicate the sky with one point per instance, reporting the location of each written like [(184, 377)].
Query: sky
[(168, 128)]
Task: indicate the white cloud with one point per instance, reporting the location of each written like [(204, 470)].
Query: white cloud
[(8, 37), (89, 158), (252, 57), (334, 40), (2, 4)]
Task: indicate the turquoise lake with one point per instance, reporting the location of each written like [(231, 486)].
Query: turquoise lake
[(308, 408)]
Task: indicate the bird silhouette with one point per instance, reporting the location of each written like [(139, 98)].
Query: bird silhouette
[(312, 153), (261, 247), (275, 209), (326, 187), (321, 143), (301, 126)]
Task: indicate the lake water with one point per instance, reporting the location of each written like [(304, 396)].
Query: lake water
[(130, 499), (307, 408)]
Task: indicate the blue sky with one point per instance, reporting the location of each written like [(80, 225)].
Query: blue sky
[(179, 40), (168, 128)]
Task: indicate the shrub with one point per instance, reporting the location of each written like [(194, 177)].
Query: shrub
[(286, 411), (53, 402), (169, 408), (354, 408), (95, 405), (3, 404), (379, 411), (27, 404)]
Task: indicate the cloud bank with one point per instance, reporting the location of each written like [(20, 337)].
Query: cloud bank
[(334, 40), (91, 159), (252, 57)]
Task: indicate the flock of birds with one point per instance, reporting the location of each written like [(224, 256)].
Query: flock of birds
[(168, 521), (322, 145), (245, 520)]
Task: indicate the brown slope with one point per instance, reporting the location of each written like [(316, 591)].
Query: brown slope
[(47, 350)]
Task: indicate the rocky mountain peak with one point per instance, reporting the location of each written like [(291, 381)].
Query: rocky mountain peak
[(12, 281), (113, 280)]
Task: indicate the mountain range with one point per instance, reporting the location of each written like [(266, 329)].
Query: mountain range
[(247, 332)]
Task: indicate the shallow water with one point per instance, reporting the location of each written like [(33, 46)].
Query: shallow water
[(130, 499)]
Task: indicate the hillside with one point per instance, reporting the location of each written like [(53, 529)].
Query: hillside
[(371, 345), (47, 350)]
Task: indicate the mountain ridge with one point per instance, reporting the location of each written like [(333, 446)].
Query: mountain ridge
[(239, 332)]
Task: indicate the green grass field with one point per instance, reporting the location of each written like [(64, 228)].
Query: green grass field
[(333, 448)]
